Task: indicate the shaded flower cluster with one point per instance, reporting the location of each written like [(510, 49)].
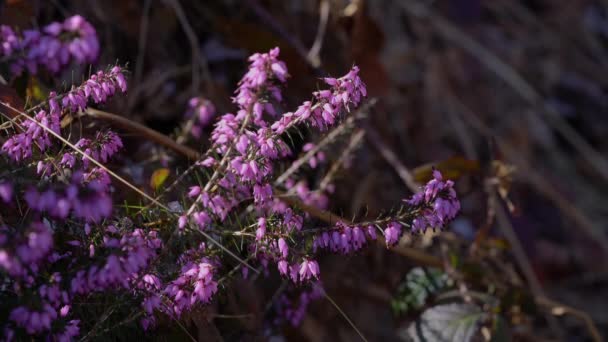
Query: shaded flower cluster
[(88, 201), (293, 310), (21, 253), (52, 47)]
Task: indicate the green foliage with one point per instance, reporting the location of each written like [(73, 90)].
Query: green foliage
[(419, 284)]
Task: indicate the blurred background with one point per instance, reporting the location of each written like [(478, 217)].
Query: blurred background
[(508, 98)]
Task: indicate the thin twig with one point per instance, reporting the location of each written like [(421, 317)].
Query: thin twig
[(559, 309), (295, 166), (352, 145), (149, 133), (342, 313), (139, 64), (520, 256), (392, 159), (150, 85), (197, 58), (313, 55)]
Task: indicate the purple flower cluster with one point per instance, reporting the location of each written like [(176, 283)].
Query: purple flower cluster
[(264, 70), (202, 112), (434, 207), (437, 203), (248, 147), (195, 283), (19, 146), (102, 148), (344, 239), (345, 92), (99, 87), (52, 47)]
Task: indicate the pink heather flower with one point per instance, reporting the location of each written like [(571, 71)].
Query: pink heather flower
[(283, 248), (182, 221), (371, 232), (358, 238), (309, 269), (262, 193), (208, 162), (261, 231), (102, 148), (194, 191), (392, 233), (202, 219), (99, 87), (283, 267), (64, 310), (293, 272), (242, 143)]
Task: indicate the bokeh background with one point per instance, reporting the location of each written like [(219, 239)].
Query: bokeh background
[(507, 97)]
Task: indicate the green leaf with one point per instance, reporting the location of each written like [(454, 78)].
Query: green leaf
[(458, 322), (419, 284)]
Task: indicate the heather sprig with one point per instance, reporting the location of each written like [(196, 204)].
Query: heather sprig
[(98, 88)]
